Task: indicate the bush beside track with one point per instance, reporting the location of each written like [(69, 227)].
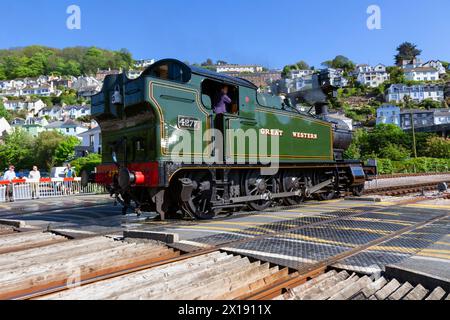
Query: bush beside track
[(415, 165)]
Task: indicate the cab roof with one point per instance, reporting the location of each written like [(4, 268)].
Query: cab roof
[(204, 73)]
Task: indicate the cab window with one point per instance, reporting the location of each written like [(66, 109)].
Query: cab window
[(213, 88)]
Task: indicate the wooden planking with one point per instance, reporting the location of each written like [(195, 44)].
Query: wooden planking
[(59, 265), (27, 240)]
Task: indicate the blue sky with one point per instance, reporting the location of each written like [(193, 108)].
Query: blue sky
[(268, 32)]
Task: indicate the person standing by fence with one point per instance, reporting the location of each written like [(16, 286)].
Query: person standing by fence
[(34, 175), (9, 175), (69, 173)]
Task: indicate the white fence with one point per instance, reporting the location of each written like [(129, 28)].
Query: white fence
[(27, 189)]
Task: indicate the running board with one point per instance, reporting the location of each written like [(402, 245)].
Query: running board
[(269, 196)]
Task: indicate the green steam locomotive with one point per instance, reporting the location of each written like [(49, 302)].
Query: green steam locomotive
[(164, 149)]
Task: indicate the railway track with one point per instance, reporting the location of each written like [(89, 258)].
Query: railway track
[(402, 190), (61, 264), (410, 175)]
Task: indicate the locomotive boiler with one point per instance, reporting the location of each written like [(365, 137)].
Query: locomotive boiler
[(165, 150)]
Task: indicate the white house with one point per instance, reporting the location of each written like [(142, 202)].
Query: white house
[(300, 73), (334, 77), (436, 64), (372, 76), (388, 114), (74, 112), (91, 141), (144, 63), (238, 68), (442, 116), (44, 90), (87, 86), (421, 74), (51, 112), (397, 92), (68, 127), (32, 106)]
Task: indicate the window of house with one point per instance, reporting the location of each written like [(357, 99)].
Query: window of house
[(91, 140), (67, 130)]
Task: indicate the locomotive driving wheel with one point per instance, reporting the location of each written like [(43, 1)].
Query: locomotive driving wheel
[(258, 185), (196, 195), (292, 182), (327, 193)]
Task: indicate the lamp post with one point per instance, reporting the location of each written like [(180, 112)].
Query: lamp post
[(414, 134), (414, 139)]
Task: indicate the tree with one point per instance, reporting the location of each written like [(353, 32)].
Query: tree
[(438, 147), (39, 60), (208, 63), (93, 60), (87, 163), (301, 65), (45, 147), (16, 149), (382, 136), (340, 62), (4, 113), (430, 104), (406, 51), (396, 75), (65, 151), (394, 152)]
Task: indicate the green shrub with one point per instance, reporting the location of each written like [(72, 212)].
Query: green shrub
[(419, 165), (87, 163)]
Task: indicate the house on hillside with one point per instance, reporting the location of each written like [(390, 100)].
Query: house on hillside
[(421, 74), (87, 86), (333, 77), (294, 74), (33, 125), (388, 114), (225, 68), (44, 90), (91, 142), (397, 92), (68, 127), (75, 112), (53, 113), (371, 76), (32, 106)]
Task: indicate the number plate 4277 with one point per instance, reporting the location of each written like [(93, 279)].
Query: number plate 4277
[(189, 123)]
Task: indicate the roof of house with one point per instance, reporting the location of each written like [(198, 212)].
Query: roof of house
[(421, 69), (91, 131), (419, 86), (408, 111), (63, 124)]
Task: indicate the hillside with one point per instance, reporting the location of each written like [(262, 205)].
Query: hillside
[(33, 61)]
